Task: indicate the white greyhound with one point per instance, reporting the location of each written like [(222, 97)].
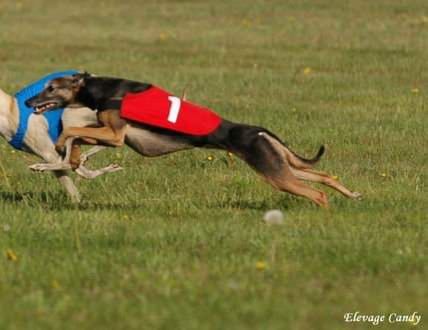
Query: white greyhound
[(38, 141)]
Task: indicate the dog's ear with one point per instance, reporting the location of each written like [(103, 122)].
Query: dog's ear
[(78, 79)]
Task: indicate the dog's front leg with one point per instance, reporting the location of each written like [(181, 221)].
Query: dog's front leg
[(41, 144), (69, 185), (106, 135), (52, 157), (54, 165), (92, 174), (81, 170)]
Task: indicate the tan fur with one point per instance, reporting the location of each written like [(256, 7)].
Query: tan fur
[(295, 170), (112, 133)]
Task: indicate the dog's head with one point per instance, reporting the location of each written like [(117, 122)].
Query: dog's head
[(58, 93)]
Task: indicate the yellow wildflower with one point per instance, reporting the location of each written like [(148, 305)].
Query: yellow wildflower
[(55, 284), (11, 255), (261, 265), (307, 71)]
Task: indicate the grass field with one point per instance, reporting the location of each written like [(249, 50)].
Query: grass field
[(178, 242)]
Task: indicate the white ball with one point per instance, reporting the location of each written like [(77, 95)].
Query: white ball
[(274, 217)]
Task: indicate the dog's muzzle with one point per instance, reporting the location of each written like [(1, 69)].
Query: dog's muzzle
[(40, 107)]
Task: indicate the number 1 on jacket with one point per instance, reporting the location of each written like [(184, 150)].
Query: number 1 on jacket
[(174, 110)]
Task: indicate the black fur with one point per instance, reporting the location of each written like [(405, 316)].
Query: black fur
[(102, 93)]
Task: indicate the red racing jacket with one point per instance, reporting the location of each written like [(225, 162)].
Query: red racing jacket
[(159, 108)]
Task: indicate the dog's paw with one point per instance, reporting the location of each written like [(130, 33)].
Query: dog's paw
[(113, 168), (40, 167), (357, 196), (83, 159)]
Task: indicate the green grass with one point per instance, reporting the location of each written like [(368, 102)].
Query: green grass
[(173, 242)]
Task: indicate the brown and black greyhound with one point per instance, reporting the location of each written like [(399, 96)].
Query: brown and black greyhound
[(261, 149)]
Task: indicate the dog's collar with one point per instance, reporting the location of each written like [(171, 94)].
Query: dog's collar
[(53, 117)]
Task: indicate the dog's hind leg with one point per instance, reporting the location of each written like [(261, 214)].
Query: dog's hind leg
[(73, 154), (92, 174), (301, 168), (292, 185), (324, 178), (77, 160), (287, 182), (84, 157), (266, 159)]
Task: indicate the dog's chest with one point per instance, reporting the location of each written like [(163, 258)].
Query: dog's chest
[(79, 117)]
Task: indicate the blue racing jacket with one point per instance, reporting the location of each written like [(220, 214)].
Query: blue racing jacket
[(53, 117)]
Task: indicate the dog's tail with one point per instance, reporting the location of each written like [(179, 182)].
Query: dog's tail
[(293, 158)]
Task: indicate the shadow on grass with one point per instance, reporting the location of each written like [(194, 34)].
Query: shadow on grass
[(57, 201), (282, 203), (29, 197), (93, 206)]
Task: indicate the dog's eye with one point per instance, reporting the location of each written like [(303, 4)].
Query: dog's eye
[(50, 88)]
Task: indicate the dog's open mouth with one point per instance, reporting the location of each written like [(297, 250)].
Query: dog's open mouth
[(46, 106)]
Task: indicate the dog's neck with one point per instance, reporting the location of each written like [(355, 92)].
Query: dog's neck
[(9, 115), (88, 97), (101, 93)]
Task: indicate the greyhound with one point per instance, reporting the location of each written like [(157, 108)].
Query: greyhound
[(37, 140), (115, 98)]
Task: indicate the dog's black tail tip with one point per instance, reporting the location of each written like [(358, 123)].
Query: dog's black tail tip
[(318, 156)]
